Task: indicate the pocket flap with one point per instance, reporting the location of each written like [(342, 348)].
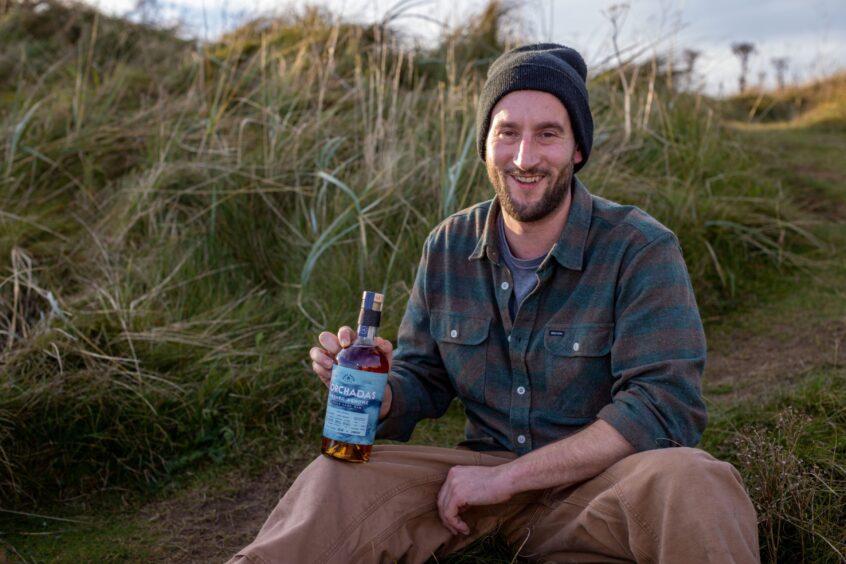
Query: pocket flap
[(578, 340), (459, 329)]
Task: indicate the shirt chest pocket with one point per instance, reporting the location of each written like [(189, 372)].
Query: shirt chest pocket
[(578, 369), (463, 343)]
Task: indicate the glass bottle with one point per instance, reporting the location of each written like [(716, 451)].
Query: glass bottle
[(356, 390)]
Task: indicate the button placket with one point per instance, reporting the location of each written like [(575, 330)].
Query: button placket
[(501, 276)]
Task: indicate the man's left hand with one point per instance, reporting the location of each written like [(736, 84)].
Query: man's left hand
[(466, 486)]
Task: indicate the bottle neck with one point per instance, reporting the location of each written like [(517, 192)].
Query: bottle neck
[(366, 334)]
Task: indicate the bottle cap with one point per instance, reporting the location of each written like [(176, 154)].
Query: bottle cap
[(371, 309), (372, 300)]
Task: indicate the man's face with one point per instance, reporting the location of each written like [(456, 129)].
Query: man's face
[(529, 154)]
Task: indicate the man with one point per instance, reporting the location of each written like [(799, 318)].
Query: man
[(567, 326)]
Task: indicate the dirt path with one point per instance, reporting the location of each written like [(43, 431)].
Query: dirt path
[(745, 366), (210, 523)]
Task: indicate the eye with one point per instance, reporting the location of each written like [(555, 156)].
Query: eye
[(548, 135)]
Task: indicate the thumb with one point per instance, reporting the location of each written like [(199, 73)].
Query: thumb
[(385, 346)]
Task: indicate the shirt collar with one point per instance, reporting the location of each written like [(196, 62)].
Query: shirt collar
[(569, 250), (488, 244)]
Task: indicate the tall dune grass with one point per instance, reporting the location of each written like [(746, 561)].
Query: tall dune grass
[(178, 220)]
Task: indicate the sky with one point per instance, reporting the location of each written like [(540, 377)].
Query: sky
[(811, 34)]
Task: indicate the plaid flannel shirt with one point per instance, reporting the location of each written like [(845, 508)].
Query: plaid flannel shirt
[(611, 331)]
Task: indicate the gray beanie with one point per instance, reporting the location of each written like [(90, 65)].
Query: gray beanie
[(547, 67)]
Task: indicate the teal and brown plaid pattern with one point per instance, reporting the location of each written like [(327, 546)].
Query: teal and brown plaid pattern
[(612, 331)]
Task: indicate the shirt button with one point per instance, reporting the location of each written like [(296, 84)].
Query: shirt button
[(575, 346), (521, 390), (521, 439), (454, 334), (509, 338), (504, 285)]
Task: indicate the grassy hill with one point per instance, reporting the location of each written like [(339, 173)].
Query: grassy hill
[(179, 220)]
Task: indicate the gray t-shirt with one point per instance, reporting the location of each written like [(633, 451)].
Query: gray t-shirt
[(523, 272)]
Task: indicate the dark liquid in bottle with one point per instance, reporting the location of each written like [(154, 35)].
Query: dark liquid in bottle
[(360, 357)]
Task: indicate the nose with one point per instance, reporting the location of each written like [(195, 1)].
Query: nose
[(527, 155)]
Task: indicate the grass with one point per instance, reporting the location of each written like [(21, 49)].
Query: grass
[(107, 539), (178, 220), (792, 455), (788, 441)]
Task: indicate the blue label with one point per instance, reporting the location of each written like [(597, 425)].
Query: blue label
[(352, 412)]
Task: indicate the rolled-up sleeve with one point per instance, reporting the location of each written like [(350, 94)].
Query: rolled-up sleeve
[(658, 354)]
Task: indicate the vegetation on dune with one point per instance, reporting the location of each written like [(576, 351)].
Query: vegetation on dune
[(819, 104), (177, 226), (177, 220)]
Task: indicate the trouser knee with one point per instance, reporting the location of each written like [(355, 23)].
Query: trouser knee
[(326, 477), (685, 484), (681, 492), (686, 469), (686, 461)]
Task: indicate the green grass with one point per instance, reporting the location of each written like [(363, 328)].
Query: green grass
[(107, 538), (791, 453)]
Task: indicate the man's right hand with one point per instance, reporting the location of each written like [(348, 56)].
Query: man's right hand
[(322, 359)]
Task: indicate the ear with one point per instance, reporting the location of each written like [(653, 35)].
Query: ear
[(577, 155)]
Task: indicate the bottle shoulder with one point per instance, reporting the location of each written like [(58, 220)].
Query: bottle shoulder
[(365, 357)]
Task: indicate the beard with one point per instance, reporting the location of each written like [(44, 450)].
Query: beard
[(554, 195)]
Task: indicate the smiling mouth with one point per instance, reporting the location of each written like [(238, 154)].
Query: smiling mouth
[(527, 181)]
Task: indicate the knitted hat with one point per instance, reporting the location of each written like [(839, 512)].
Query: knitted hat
[(548, 67)]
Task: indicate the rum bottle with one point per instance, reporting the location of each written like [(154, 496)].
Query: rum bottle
[(356, 389)]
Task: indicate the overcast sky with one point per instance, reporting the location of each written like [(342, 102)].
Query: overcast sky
[(810, 33)]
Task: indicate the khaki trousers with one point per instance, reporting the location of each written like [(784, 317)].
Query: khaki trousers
[(675, 505)]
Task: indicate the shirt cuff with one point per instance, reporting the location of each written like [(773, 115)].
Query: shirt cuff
[(395, 426), (625, 418)]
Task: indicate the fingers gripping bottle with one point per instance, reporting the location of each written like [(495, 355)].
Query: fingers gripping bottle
[(357, 389)]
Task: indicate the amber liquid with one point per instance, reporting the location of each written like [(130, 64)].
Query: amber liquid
[(364, 357)]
